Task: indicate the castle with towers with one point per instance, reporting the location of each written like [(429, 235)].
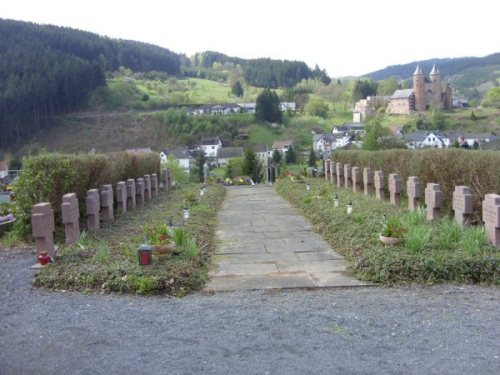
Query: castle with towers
[(426, 93)]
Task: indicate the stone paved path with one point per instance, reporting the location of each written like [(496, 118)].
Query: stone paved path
[(264, 243)]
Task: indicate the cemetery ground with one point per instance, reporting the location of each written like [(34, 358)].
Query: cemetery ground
[(106, 260), (433, 252)]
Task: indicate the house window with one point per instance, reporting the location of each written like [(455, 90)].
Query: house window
[(213, 147)]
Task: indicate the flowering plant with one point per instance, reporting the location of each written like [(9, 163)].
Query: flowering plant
[(157, 234), (393, 227)]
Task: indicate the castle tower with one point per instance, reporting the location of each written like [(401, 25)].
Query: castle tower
[(436, 80), (419, 89)]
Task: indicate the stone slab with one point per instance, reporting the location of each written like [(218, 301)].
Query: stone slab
[(264, 243), (244, 269)]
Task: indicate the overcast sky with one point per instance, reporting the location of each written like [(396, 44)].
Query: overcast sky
[(345, 37)]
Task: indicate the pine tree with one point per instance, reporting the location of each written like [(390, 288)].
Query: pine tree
[(200, 163), (312, 159), (277, 156), (267, 107), (251, 166), (237, 89), (291, 156)]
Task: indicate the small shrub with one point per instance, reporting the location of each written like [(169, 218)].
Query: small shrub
[(192, 250), (473, 239), (414, 218), (102, 253), (179, 236), (448, 233), (417, 238)]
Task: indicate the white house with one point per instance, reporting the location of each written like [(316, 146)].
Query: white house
[(423, 138), (287, 106), (346, 127), (324, 142), (180, 154), (210, 146), (248, 107)]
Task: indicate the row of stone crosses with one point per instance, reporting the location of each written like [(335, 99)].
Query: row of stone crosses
[(350, 177), (99, 207)]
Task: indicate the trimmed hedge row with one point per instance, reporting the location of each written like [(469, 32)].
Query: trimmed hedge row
[(480, 170), (47, 177)]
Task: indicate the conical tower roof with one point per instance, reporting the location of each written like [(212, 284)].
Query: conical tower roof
[(418, 71), (434, 70)]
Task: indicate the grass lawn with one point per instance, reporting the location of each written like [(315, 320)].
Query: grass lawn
[(106, 261), (432, 252)]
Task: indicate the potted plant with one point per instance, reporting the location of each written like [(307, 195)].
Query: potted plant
[(160, 237), (392, 232)]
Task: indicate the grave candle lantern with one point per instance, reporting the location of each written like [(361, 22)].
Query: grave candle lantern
[(185, 211), (349, 207), (145, 254), (335, 200), (308, 186)]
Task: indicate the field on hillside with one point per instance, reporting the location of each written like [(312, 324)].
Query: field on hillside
[(142, 91)]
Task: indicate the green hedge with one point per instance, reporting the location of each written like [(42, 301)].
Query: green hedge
[(47, 177), (480, 170)]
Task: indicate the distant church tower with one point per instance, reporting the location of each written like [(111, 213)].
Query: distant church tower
[(436, 80), (419, 89)]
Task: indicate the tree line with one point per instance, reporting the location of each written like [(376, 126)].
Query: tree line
[(262, 72), (46, 70)]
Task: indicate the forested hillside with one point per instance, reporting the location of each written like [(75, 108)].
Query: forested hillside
[(257, 72), (46, 70)]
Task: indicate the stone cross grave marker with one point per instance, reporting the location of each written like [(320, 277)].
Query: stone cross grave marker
[(147, 187), (121, 196), (131, 203), (379, 180), (395, 188), (356, 179), (333, 172), (368, 181), (491, 218), (414, 191), (340, 174), (93, 210), (70, 218), (167, 179), (139, 190), (107, 201), (433, 201), (42, 225), (154, 185), (462, 204), (327, 168), (347, 176)]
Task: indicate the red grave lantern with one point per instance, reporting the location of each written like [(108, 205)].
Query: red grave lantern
[(145, 254)]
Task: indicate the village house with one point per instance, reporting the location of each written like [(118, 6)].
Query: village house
[(224, 154), (284, 106), (210, 146), (182, 155), (348, 128), (4, 171), (423, 138), (323, 142), (282, 146), (263, 153)]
